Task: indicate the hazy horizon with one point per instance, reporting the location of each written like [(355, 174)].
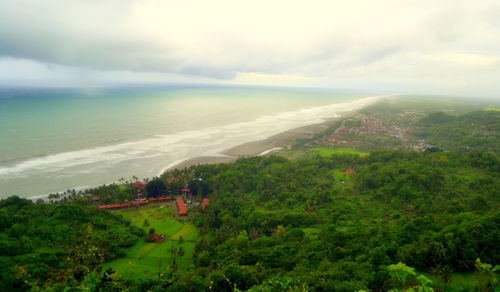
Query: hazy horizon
[(416, 47)]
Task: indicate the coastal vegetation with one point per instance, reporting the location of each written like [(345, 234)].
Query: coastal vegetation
[(53, 246), (370, 217)]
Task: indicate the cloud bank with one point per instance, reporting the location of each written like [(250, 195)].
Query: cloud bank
[(435, 46)]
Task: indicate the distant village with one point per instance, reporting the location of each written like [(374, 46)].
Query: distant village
[(376, 132)]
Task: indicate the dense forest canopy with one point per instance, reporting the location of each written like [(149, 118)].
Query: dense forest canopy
[(333, 231), (45, 245), (477, 129)]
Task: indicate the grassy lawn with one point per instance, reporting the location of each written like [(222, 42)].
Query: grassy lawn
[(325, 152), (146, 259)]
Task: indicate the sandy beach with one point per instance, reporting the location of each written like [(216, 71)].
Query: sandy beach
[(262, 147), (271, 144)]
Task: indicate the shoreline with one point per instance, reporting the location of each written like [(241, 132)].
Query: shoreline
[(261, 147)]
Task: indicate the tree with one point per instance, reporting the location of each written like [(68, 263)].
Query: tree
[(155, 188), (485, 274)]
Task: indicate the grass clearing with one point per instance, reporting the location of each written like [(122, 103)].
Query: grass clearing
[(492, 109), (147, 260), (326, 152)]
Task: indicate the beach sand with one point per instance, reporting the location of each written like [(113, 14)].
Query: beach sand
[(262, 147), (269, 145)]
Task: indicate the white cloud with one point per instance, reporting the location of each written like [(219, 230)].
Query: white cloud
[(467, 59), (385, 44)]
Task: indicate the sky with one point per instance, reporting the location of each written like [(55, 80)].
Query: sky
[(413, 46)]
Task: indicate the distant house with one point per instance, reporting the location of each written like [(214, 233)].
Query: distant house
[(204, 203), (138, 203), (139, 185), (350, 170), (419, 148), (156, 238), (162, 199), (182, 207)]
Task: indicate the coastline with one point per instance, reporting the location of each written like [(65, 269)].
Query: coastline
[(267, 145), (263, 147), (273, 143)]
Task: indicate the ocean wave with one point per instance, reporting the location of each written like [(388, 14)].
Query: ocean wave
[(184, 145)]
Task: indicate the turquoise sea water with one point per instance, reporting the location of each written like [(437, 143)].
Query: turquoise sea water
[(55, 139)]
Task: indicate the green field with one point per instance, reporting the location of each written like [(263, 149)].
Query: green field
[(325, 152), (492, 109), (147, 260)]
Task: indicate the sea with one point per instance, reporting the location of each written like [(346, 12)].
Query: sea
[(55, 139)]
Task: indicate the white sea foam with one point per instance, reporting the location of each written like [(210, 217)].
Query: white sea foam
[(269, 151), (184, 145)]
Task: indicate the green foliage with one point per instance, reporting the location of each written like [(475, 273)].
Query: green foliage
[(330, 151), (416, 208), (44, 245), (155, 187), (474, 130)]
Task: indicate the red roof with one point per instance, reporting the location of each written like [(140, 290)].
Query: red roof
[(114, 206), (204, 203), (137, 203), (164, 198), (139, 185), (185, 190), (182, 207)]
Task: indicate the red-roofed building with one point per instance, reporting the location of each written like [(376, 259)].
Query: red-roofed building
[(164, 198), (139, 185), (204, 203), (137, 203), (182, 207)]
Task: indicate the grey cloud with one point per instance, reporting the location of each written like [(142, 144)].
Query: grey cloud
[(104, 36)]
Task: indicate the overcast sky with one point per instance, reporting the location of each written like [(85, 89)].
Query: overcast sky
[(436, 46)]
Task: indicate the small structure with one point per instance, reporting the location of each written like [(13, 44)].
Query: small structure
[(138, 203), (350, 170), (204, 203), (139, 185), (164, 198), (156, 238), (182, 207)]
